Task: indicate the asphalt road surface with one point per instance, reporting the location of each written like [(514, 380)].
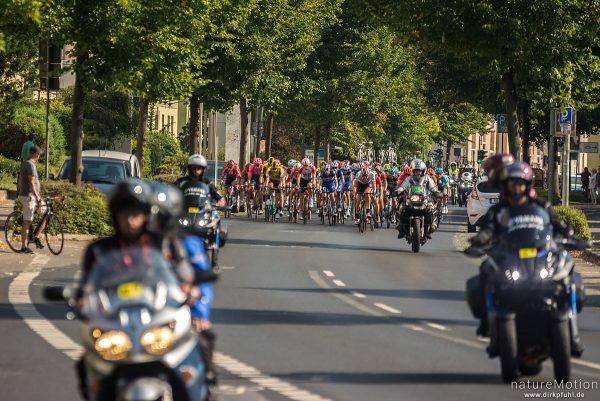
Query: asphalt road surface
[(305, 312)]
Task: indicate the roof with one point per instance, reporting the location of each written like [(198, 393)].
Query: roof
[(106, 154)]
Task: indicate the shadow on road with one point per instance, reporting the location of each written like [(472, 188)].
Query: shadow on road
[(244, 241), (445, 295), (263, 317), (394, 378)]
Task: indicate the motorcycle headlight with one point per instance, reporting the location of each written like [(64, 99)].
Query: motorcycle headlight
[(184, 222), (157, 340), (113, 345), (415, 198), (544, 273)]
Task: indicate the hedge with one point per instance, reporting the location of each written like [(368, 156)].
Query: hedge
[(86, 210), (576, 219)]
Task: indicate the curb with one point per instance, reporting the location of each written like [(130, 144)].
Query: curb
[(81, 237)]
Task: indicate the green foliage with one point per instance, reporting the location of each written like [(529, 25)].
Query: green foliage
[(161, 144), (173, 164), (86, 210), (17, 16), (168, 178), (147, 159), (29, 118), (9, 171), (576, 219)]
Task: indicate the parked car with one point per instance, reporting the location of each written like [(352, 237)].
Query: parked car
[(479, 201), (104, 168)]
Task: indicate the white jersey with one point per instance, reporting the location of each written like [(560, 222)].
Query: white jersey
[(367, 178), (428, 183)]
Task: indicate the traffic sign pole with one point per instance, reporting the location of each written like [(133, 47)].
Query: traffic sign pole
[(566, 174), (551, 154)]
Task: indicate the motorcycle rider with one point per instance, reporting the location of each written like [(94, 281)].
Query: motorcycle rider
[(196, 166), (516, 181), (418, 177), (130, 207), (453, 171), (442, 181)]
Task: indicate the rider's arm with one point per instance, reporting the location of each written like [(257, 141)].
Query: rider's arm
[(488, 228)]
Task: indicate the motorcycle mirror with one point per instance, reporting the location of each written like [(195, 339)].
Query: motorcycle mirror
[(55, 293), (205, 277)]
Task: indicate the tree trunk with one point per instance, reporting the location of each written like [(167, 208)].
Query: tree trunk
[(244, 131), (142, 134), (317, 143), (269, 135), (448, 149), (328, 142), (526, 129), (194, 124), (77, 127), (511, 100)]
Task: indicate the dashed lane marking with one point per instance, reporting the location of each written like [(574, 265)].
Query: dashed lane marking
[(18, 295), (358, 294), (328, 273), (339, 283), (436, 326), (387, 308)]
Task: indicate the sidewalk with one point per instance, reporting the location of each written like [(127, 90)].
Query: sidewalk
[(6, 208)]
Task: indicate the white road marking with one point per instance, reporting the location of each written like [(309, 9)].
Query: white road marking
[(414, 328), (18, 295), (436, 326), (227, 267), (387, 308), (587, 364), (328, 273), (314, 275), (339, 283), (358, 294)]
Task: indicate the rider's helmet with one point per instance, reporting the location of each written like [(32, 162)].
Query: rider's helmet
[(230, 164), (468, 167), (493, 165), (419, 165), (356, 166), (291, 163), (439, 171), (453, 165), (196, 160), (387, 166), (466, 176), (129, 195), (336, 164), (306, 161), (270, 160), (166, 206), (346, 166), (377, 167), (277, 163), (394, 171), (364, 168), (431, 171), (298, 165)]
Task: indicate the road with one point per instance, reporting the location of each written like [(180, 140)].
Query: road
[(304, 312)]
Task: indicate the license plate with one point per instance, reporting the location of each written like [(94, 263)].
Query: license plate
[(193, 210), (130, 290), (527, 253), (493, 201)]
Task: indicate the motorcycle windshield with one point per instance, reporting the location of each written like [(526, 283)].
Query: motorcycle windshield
[(527, 228), (132, 276), (196, 196)]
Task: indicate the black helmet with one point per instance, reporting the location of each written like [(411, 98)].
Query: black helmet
[(129, 195), (166, 206), (516, 171)]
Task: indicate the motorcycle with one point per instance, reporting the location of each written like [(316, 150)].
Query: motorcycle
[(464, 189), (418, 216), (532, 298), (138, 340), (453, 186), (202, 218)]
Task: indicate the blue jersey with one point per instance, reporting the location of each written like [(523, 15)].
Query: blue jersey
[(443, 181), (347, 175), (199, 261), (327, 179)]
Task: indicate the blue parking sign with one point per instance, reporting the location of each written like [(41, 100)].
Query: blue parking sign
[(566, 117)]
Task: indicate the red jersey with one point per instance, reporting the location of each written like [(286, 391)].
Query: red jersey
[(231, 172)]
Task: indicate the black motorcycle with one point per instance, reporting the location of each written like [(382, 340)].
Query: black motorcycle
[(465, 187), (532, 298), (202, 218), (418, 214)]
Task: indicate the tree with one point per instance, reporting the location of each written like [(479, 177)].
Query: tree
[(16, 18), (526, 45)]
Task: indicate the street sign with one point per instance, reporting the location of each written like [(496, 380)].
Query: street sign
[(310, 153), (588, 147), (566, 117), (502, 124), (321, 153)]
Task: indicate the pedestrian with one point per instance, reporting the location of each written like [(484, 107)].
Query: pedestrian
[(594, 186), (26, 146), (29, 194), (585, 182)]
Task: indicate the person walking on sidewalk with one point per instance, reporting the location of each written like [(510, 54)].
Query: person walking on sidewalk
[(585, 182), (29, 194), (594, 186)]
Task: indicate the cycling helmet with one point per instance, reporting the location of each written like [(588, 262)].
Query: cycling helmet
[(276, 162), (418, 164), (129, 195), (336, 164), (197, 160), (430, 171), (356, 166), (230, 164), (166, 206), (387, 166), (468, 167), (394, 171), (366, 164), (364, 168), (257, 161), (298, 165), (270, 161), (346, 166), (306, 161), (291, 163), (439, 171)]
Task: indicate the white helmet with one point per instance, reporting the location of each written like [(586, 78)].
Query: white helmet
[(306, 161), (197, 160), (418, 164), (298, 165), (468, 167)]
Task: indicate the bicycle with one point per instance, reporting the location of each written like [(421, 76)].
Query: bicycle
[(53, 232), (363, 219), (270, 205)]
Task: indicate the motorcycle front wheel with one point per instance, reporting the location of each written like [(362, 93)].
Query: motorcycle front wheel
[(507, 349), (416, 235), (560, 350)]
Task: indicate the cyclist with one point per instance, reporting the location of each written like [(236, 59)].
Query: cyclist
[(407, 172), (336, 165), (328, 181), (255, 180), (364, 183), (229, 178), (275, 175), (443, 188), (380, 190), (305, 180), (347, 175), (244, 180), (391, 177), (196, 165)]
